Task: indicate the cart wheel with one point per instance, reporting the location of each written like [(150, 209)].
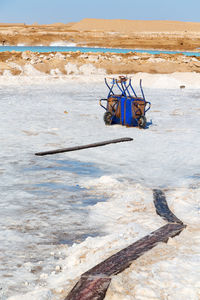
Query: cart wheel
[(107, 118), (142, 122)]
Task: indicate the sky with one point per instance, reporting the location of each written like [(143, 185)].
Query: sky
[(52, 11)]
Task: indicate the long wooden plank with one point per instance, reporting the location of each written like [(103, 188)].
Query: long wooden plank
[(94, 283), (99, 144)]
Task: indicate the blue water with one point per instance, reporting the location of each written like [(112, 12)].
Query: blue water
[(86, 49)]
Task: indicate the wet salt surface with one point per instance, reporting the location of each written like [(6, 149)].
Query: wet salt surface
[(49, 203), (39, 212)]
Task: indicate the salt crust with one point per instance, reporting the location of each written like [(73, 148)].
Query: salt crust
[(169, 271), (88, 72)]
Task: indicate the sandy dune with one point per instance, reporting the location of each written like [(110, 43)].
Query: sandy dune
[(136, 26)]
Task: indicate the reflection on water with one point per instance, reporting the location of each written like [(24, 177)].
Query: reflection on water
[(72, 166), (60, 201)]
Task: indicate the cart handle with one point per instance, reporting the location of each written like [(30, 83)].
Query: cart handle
[(102, 104), (110, 87), (149, 103), (142, 89)]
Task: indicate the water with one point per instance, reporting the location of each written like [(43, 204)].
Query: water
[(45, 49)]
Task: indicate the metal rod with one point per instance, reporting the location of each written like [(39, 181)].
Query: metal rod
[(132, 89), (125, 139), (121, 89), (127, 88), (142, 89), (110, 88)]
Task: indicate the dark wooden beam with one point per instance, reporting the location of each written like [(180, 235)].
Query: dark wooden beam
[(90, 288), (162, 208), (120, 140)]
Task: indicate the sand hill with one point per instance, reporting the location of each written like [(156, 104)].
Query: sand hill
[(135, 26)]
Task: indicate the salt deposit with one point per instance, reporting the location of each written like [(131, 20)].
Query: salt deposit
[(86, 69), (55, 72), (156, 60), (29, 70), (62, 44), (59, 56), (15, 66), (71, 68)]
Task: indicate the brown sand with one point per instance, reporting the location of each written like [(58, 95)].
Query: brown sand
[(135, 26), (172, 35)]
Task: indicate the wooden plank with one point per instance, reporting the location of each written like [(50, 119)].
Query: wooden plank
[(120, 140), (90, 288), (162, 208), (94, 283)]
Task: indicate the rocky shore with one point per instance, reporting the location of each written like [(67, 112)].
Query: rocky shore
[(77, 63)]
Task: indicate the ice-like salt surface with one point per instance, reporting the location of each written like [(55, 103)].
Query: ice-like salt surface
[(62, 44), (62, 214)]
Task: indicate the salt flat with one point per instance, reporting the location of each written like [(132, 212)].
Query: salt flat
[(65, 213)]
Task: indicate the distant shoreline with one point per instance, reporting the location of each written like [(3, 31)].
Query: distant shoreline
[(164, 35)]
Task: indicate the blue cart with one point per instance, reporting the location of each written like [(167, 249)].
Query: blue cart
[(125, 107)]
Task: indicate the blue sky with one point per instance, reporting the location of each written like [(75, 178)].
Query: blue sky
[(51, 11)]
